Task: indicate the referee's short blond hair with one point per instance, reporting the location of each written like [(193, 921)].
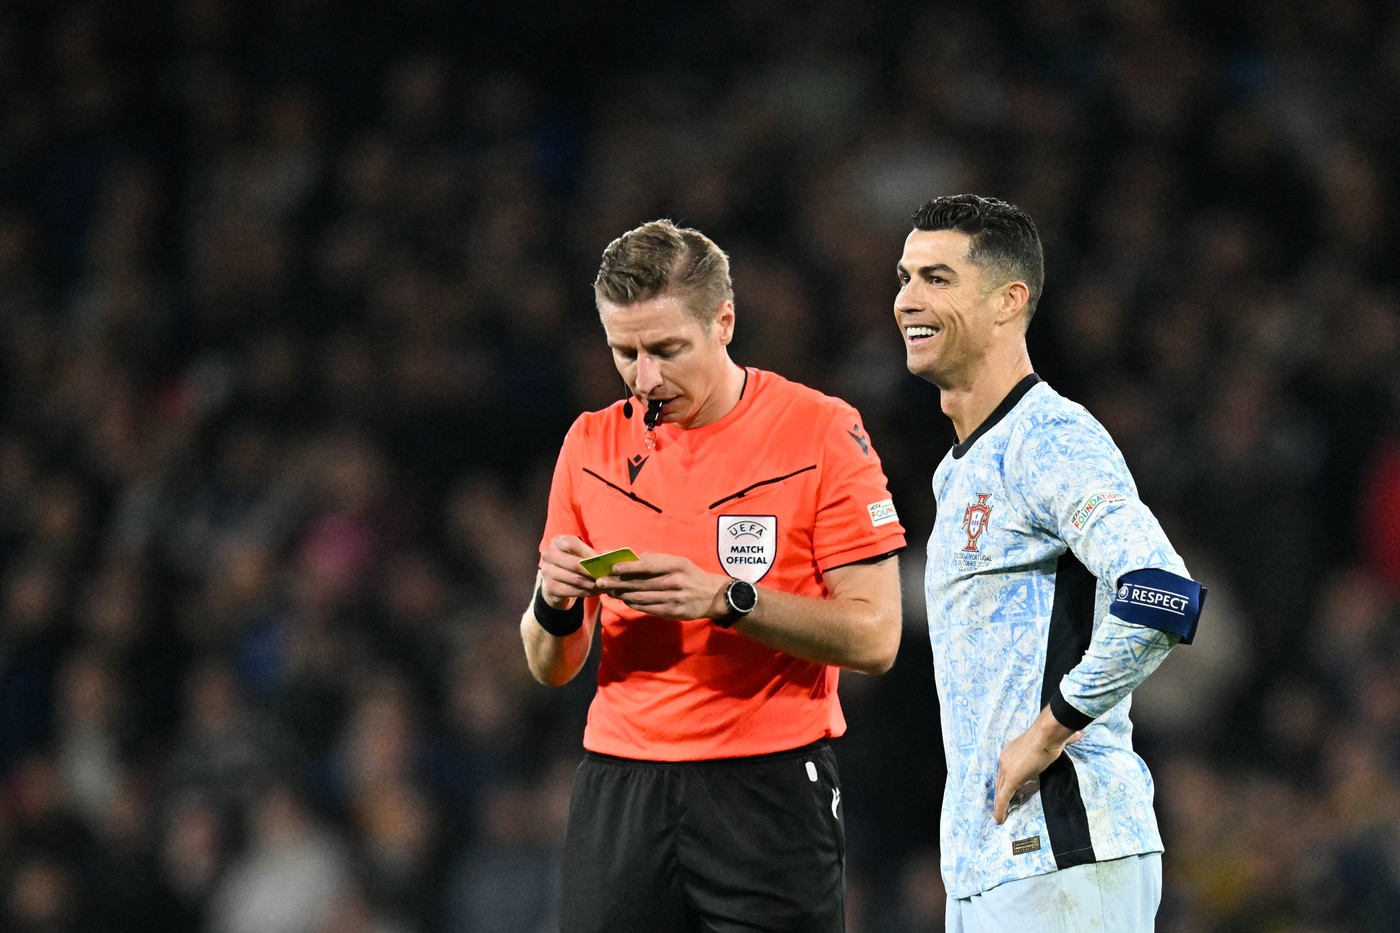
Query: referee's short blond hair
[(661, 258)]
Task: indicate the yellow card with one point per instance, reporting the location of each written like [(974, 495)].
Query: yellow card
[(600, 565)]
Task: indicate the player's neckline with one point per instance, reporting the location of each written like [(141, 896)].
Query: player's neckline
[(1017, 393)]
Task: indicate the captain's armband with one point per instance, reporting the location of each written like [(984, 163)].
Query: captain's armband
[(1161, 600)]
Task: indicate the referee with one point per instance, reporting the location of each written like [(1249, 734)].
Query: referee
[(708, 797), (1052, 592)]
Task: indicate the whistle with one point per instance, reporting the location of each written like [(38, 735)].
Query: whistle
[(653, 414)]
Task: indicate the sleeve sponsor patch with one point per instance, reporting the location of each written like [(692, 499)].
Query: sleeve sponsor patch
[(1086, 509), (882, 512)]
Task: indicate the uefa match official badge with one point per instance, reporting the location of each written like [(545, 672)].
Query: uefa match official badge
[(748, 545)]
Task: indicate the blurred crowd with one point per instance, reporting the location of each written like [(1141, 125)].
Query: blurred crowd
[(295, 309)]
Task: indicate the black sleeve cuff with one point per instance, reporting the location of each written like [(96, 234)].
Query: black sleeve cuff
[(1067, 715), (866, 560), (558, 622)]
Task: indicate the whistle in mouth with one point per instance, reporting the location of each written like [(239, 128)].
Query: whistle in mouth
[(653, 414)]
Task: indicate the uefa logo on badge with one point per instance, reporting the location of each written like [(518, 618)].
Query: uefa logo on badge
[(747, 545)]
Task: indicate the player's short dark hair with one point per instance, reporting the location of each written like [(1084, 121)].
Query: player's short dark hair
[(1004, 240), (659, 257)]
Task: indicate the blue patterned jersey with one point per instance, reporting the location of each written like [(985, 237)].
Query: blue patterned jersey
[(1038, 518)]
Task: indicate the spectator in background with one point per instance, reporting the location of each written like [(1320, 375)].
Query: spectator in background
[(508, 881), (289, 878), (1380, 514)]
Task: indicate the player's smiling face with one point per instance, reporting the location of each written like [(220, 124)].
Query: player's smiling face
[(944, 309), (663, 352)]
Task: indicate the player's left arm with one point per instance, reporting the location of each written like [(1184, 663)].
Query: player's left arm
[(1120, 656), (1156, 606), (1088, 498), (1080, 490)]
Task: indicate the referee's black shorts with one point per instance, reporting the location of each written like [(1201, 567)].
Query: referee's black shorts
[(717, 846)]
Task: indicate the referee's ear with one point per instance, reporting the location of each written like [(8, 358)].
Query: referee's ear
[(724, 322)]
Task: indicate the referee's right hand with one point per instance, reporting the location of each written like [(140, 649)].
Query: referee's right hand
[(562, 580)]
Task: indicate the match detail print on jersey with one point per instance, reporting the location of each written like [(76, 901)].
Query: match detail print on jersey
[(747, 545)]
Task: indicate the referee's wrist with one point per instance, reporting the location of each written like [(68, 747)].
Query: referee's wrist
[(740, 598), (557, 622)]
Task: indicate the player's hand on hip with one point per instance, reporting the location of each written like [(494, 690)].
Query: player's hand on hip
[(562, 580), (667, 586), (1026, 756)]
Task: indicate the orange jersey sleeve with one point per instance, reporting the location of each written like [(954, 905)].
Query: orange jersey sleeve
[(855, 514)]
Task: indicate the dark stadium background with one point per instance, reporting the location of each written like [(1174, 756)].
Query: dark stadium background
[(295, 309)]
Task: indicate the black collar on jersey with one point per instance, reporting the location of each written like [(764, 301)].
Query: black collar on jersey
[(1008, 403)]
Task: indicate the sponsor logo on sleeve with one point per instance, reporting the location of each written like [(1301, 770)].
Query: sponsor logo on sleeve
[(1086, 509), (858, 435), (748, 545), (882, 512)]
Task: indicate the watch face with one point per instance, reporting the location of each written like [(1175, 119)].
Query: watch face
[(742, 596)]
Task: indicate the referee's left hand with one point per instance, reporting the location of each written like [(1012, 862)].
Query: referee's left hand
[(667, 586), (1026, 756)]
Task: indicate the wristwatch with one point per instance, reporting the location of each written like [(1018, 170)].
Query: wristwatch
[(742, 597)]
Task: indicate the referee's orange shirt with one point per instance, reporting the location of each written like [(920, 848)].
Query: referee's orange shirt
[(782, 489)]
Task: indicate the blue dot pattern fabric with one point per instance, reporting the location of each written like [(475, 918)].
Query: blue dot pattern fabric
[(1039, 498)]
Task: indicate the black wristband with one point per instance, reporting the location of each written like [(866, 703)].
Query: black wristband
[(558, 622), (1065, 714)]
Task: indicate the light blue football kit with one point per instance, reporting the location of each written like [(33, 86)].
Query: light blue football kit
[(1048, 582)]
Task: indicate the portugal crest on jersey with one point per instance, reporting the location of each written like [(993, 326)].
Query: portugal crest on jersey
[(747, 545), (975, 520)]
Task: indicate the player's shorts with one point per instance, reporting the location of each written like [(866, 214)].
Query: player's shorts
[(1117, 896), (725, 845)]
